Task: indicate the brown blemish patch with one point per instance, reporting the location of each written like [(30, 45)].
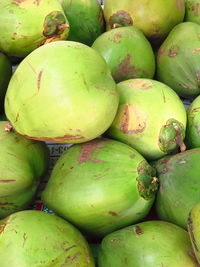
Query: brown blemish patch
[(32, 68), (172, 53), (18, 2), (141, 84), (196, 50), (137, 230), (120, 18), (116, 38), (36, 2), (3, 226), (7, 180), (160, 53), (186, 86), (180, 5), (125, 127), (112, 213), (196, 10), (164, 97), (39, 79), (88, 148), (24, 239), (125, 69), (69, 248), (17, 117), (195, 110), (56, 139)]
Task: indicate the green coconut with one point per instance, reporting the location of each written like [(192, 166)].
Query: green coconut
[(5, 75), (22, 163), (68, 96), (193, 124), (28, 24), (192, 11), (155, 18), (37, 239), (127, 53), (194, 229), (151, 118), (178, 60), (179, 187), (85, 18), (151, 243), (101, 186)]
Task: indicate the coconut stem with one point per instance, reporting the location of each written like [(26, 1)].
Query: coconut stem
[(179, 139)]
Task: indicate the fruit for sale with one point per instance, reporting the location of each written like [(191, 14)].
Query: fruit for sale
[(62, 92), (151, 243), (178, 60), (192, 11), (154, 18), (28, 24), (193, 124), (179, 190), (5, 75), (35, 238), (22, 163), (101, 186), (194, 229), (86, 20), (127, 53), (151, 118)]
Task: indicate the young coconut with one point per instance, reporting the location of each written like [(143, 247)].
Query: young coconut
[(85, 18), (151, 118), (28, 24), (101, 186), (179, 190), (34, 238), (154, 18), (150, 244), (122, 49), (72, 100), (22, 163), (178, 60)]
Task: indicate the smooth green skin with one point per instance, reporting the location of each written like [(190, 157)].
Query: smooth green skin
[(194, 229), (37, 239), (5, 75), (179, 186), (123, 48), (71, 100), (85, 18), (154, 18), (94, 186), (151, 243), (178, 60), (22, 163), (22, 25), (193, 124), (145, 107), (192, 11)]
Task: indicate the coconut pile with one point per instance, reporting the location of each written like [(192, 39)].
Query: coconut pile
[(119, 82)]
